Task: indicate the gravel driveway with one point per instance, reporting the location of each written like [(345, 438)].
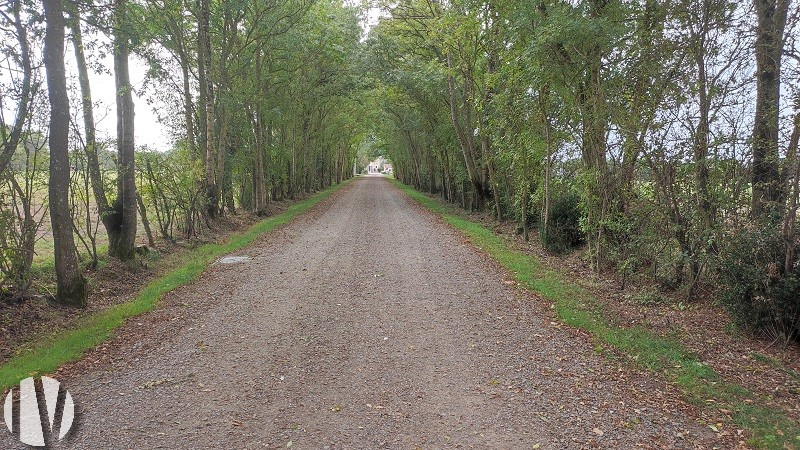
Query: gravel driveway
[(365, 324)]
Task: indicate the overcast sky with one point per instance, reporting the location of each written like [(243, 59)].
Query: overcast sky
[(147, 129)]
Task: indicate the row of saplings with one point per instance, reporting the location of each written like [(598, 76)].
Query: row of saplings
[(756, 283)]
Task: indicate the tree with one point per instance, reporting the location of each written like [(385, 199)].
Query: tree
[(10, 140), (91, 145), (767, 183), (121, 226), (71, 284), (204, 69), (576, 48)]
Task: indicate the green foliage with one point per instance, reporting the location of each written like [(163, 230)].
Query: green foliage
[(563, 231), (756, 288), (14, 275), (168, 185), (23, 199)]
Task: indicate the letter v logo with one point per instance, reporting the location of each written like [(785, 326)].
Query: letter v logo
[(33, 430)]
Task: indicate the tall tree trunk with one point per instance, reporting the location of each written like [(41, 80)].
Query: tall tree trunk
[(594, 157), (701, 141), (544, 96), (266, 170), (187, 110), (258, 160), (122, 240), (594, 121), (464, 137), (145, 221), (87, 108), (11, 141), (222, 151), (204, 50), (71, 284), (492, 61), (202, 81), (767, 185)]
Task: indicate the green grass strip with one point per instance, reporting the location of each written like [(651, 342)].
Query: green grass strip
[(47, 354), (769, 427)]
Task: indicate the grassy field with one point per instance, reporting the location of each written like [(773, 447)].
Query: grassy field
[(769, 427)]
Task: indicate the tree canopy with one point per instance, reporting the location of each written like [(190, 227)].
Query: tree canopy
[(662, 134)]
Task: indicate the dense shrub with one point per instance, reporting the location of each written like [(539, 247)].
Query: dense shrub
[(563, 232), (755, 286)]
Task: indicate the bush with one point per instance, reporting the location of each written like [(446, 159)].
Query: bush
[(755, 287), (563, 232)]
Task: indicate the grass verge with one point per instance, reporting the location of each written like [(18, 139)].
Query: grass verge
[(769, 427), (46, 355)]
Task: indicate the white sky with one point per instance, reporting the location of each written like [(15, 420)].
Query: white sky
[(148, 131)]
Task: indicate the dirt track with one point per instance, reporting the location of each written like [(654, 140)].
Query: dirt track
[(365, 324)]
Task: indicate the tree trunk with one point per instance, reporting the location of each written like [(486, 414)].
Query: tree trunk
[(464, 139), (220, 179), (492, 61), (87, 108), (145, 222), (202, 94), (122, 240), (10, 144), (767, 186), (257, 120), (544, 96), (204, 54), (594, 157), (71, 284), (187, 111), (259, 192), (701, 143), (792, 186)]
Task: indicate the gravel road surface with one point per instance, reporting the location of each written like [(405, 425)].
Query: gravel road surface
[(364, 324)]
